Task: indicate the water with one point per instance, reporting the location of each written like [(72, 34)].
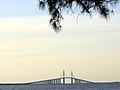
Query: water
[(87, 86)]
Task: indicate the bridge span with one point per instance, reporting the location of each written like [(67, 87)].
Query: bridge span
[(62, 80)]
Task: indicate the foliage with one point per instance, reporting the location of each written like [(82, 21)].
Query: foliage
[(57, 7)]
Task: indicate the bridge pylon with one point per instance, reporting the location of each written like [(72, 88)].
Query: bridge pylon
[(63, 77), (72, 77)]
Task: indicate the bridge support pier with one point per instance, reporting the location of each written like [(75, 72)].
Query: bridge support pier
[(77, 81), (72, 80)]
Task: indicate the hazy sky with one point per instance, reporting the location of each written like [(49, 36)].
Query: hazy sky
[(30, 50)]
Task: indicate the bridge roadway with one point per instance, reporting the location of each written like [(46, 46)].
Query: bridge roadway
[(61, 80)]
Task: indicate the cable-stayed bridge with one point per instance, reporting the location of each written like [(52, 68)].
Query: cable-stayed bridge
[(62, 83), (62, 80)]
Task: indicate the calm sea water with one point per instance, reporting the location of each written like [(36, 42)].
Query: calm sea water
[(89, 86)]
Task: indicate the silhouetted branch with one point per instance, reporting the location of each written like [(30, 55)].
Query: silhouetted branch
[(56, 7)]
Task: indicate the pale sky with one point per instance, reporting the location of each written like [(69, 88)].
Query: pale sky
[(30, 50)]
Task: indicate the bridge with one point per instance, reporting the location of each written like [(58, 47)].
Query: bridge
[(62, 80)]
